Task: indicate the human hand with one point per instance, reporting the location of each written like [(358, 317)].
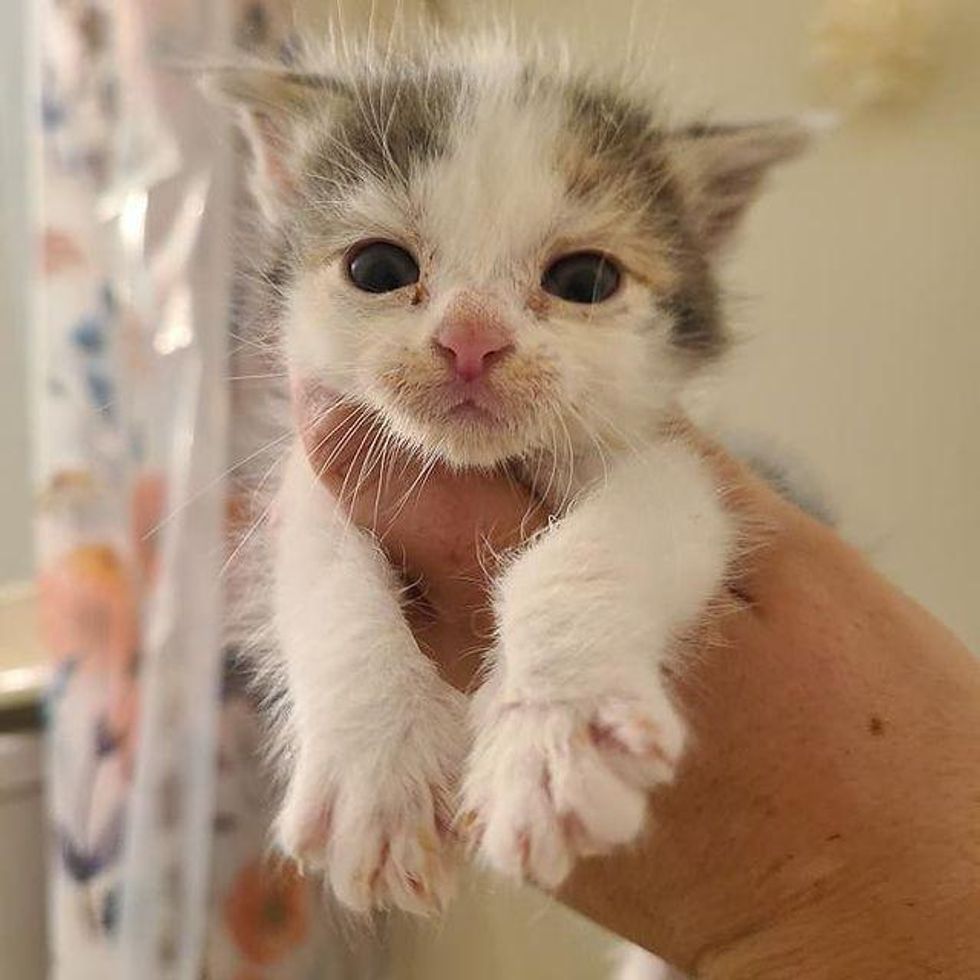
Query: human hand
[(824, 824)]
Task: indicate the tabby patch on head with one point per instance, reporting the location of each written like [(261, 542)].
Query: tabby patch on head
[(498, 256)]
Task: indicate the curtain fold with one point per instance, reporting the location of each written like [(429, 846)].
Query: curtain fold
[(159, 808)]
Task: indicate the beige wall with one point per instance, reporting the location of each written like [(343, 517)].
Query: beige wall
[(15, 498), (858, 285)]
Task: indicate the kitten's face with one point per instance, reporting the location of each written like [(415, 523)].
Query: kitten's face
[(497, 261)]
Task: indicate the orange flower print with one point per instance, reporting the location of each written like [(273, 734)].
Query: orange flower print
[(88, 613), (88, 608), (59, 252), (267, 911)]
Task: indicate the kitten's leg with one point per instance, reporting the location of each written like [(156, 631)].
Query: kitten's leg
[(575, 724), (374, 736)]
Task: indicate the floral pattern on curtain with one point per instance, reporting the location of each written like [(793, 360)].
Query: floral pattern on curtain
[(158, 804)]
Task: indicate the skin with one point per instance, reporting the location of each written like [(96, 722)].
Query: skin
[(826, 822)]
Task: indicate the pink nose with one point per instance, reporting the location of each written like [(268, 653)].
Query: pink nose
[(473, 345)]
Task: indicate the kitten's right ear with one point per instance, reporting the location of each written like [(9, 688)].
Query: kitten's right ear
[(723, 167), (272, 105)]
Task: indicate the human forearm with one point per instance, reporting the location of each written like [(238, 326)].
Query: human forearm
[(827, 822)]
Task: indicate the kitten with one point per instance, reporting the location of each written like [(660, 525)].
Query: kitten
[(509, 263)]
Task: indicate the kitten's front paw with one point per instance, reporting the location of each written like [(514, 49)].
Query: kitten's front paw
[(553, 781), (380, 841)]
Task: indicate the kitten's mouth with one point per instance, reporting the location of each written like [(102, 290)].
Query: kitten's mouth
[(470, 410), (470, 423)]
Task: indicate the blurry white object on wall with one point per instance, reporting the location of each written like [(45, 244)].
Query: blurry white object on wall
[(871, 52)]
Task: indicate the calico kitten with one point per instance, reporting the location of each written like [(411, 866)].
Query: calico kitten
[(509, 263)]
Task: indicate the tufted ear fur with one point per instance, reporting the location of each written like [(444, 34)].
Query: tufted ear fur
[(272, 105), (722, 168)]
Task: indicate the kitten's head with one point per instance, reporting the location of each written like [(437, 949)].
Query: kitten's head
[(495, 256)]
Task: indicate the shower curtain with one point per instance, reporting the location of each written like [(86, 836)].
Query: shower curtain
[(158, 807)]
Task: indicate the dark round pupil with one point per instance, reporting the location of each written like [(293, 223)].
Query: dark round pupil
[(585, 277), (382, 267)]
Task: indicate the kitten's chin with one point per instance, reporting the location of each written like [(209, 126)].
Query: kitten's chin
[(469, 437)]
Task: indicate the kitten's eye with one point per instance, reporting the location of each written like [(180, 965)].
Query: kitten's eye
[(381, 267), (583, 277)]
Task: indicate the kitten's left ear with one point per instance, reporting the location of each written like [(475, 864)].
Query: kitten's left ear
[(273, 105), (721, 170)]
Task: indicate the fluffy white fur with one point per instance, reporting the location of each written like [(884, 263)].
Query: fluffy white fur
[(379, 736), (638, 964), (575, 725), (556, 753)]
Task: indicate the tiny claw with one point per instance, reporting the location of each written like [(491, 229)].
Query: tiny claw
[(444, 825), (575, 832), (417, 886), (656, 751), (372, 880), (603, 738), (467, 827), (546, 783), (524, 849), (654, 737), (473, 837)]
